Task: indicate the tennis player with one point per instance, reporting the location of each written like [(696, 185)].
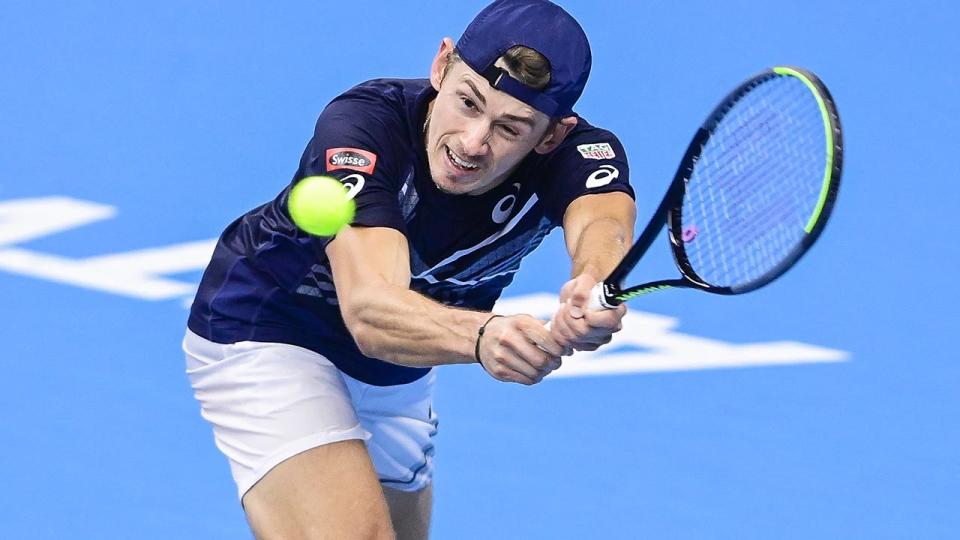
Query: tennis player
[(312, 357)]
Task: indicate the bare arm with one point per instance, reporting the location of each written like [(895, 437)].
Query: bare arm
[(598, 230), (371, 271), (388, 321)]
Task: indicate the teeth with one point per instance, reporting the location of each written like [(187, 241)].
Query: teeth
[(460, 162)]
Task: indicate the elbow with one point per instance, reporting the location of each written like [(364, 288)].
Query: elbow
[(366, 338), (356, 314)]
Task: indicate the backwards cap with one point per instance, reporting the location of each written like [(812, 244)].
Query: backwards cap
[(542, 26)]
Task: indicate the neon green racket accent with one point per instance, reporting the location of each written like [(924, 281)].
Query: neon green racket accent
[(641, 292), (828, 132)]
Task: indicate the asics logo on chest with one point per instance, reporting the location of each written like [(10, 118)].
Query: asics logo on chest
[(503, 208)]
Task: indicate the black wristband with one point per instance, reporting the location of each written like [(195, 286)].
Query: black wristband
[(476, 350)]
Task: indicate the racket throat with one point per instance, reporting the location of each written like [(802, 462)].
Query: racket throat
[(647, 288)]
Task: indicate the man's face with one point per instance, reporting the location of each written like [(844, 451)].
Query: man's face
[(476, 134)]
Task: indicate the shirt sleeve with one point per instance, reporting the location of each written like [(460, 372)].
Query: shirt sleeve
[(357, 141), (589, 161)]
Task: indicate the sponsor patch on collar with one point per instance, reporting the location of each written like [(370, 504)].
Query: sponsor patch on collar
[(596, 151), (351, 158)]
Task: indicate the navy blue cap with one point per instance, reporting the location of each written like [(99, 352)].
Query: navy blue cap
[(542, 26)]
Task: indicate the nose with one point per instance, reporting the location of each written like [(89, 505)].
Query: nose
[(475, 137)]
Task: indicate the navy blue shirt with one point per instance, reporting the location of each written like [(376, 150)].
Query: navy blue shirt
[(270, 282)]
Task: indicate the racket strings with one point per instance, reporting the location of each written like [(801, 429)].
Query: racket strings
[(764, 243), (756, 183), (765, 210)]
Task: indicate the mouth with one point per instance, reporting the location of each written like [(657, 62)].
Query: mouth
[(460, 164)]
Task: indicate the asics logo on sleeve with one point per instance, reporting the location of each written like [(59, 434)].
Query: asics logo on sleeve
[(354, 183), (602, 176), (351, 158)]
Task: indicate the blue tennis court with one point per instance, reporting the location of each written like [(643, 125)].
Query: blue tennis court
[(823, 406)]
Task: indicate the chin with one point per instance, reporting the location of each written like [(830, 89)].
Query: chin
[(451, 187), (454, 185)]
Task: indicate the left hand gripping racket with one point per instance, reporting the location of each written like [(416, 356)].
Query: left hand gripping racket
[(752, 193)]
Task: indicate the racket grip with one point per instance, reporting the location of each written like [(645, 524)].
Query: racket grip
[(596, 298)]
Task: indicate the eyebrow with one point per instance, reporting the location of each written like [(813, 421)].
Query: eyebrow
[(475, 91), (522, 119)]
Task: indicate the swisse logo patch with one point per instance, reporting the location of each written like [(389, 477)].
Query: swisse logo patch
[(596, 151), (351, 158)]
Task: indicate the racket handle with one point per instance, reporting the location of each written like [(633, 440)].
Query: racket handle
[(596, 298)]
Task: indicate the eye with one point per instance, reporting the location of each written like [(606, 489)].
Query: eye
[(509, 131), (468, 103)]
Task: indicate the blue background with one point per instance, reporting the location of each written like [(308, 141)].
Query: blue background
[(183, 115)]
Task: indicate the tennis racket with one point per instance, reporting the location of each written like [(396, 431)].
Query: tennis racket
[(752, 193)]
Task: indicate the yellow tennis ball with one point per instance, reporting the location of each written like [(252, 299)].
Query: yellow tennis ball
[(319, 205)]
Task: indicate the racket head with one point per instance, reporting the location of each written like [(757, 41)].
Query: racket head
[(760, 181)]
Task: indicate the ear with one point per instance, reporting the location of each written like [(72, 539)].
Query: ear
[(440, 63), (556, 135)]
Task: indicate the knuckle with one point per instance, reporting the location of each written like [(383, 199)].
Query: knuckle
[(524, 321)]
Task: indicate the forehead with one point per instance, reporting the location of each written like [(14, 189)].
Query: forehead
[(465, 78)]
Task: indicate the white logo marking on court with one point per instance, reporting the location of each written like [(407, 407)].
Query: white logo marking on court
[(647, 343), (138, 274), (650, 343)]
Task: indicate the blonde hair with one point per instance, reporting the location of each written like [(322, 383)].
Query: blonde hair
[(523, 63)]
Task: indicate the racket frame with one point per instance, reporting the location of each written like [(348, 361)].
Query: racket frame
[(610, 292)]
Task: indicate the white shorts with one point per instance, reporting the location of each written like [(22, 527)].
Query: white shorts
[(270, 401)]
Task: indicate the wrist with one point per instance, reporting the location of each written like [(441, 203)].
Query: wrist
[(480, 332), (589, 271)]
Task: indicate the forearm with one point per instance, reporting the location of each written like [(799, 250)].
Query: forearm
[(600, 246), (387, 320), (401, 326)]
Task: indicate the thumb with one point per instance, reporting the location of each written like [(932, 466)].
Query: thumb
[(579, 297), (576, 311)]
